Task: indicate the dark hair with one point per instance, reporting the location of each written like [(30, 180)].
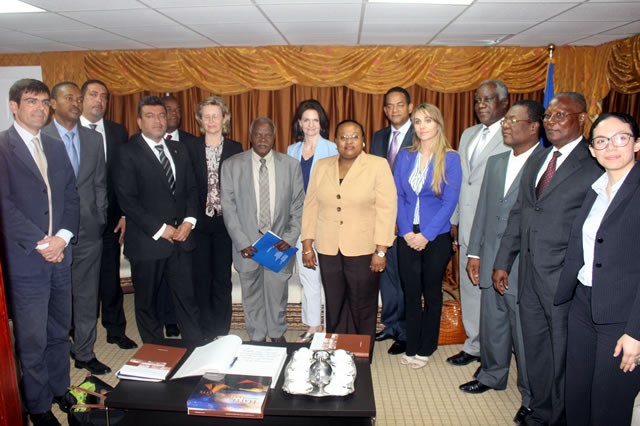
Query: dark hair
[(262, 120), (150, 101), (621, 116), (398, 89), (86, 84), (576, 98), (347, 121), (26, 85), (304, 106), (169, 96), (54, 90)]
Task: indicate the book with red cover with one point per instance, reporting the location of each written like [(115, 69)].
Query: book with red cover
[(229, 395), (151, 363), (358, 344)]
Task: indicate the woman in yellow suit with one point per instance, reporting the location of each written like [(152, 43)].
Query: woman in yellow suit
[(350, 213)]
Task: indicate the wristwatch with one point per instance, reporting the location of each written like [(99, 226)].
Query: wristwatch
[(380, 253)]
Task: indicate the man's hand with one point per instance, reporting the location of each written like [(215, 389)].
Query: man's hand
[(54, 251), (183, 231), (121, 227), (630, 349), (248, 252), (454, 237), (473, 270), (168, 233), (282, 245), (500, 279)]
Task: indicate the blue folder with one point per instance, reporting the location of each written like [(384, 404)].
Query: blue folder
[(269, 256)]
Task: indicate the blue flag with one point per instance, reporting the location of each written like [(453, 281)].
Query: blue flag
[(548, 89)]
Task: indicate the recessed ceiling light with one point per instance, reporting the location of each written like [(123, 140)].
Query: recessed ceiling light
[(445, 2), (16, 6)]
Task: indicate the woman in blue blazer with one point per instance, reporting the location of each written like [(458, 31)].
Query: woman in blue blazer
[(310, 128), (428, 176), (601, 278)]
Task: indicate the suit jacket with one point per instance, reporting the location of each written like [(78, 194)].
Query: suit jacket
[(472, 180), (615, 296), (539, 229), (197, 152), (355, 216), (91, 181), (146, 199), (324, 149), (23, 199), (116, 135), (380, 142), (435, 211), (186, 137), (491, 217), (240, 211)]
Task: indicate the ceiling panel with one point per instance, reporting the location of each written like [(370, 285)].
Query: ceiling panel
[(519, 12), (601, 11), (312, 12), (120, 18), (398, 14), (38, 20), (215, 15), (78, 5)]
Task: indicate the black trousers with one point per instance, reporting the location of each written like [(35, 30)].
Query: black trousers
[(212, 276), (421, 274), (351, 294), (110, 293), (147, 276), (597, 391)]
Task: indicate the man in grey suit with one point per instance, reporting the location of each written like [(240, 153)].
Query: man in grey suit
[(262, 190), (500, 330), (477, 144), (86, 153), (553, 186), (387, 143)]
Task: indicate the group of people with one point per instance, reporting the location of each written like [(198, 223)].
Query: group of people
[(544, 236)]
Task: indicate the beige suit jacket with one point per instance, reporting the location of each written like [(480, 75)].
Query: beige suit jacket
[(355, 216)]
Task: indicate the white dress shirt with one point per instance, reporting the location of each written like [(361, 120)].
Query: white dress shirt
[(99, 128), (565, 151), (514, 165), (403, 132), (479, 142)]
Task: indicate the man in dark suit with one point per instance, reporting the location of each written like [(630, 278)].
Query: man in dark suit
[(386, 143), (95, 98), (552, 188), (36, 177), (157, 192), (500, 330), (86, 153)]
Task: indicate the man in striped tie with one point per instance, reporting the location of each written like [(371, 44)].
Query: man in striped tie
[(157, 192)]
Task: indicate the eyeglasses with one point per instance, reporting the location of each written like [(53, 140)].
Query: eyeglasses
[(485, 100), (618, 140), (559, 116), (347, 138), (511, 121)]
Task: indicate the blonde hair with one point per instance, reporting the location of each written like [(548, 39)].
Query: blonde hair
[(440, 147), (215, 101)]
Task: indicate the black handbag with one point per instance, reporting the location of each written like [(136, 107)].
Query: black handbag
[(87, 404)]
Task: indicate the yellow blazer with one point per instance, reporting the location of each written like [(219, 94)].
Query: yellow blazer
[(354, 216)]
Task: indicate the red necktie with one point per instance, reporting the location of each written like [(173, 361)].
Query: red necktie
[(548, 174)]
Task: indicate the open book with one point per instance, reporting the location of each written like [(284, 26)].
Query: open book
[(227, 355)]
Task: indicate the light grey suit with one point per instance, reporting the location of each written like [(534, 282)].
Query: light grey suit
[(500, 328), (91, 183), (264, 292), (463, 217)]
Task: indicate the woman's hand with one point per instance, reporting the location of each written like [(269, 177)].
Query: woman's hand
[(420, 242), (309, 255), (630, 349), (377, 263)]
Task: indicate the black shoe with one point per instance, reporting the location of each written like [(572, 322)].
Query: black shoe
[(521, 415), (172, 330), (462, 358), (280, 339), (94, 366), (44, 419), (123, 342), (475, 375), (474, 386), (398, 347), (65, 401), (382, 336)]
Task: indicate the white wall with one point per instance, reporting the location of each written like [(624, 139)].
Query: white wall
[(8, 76)]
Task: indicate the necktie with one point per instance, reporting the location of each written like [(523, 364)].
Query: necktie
[(479, 147), (166, 166), (548, 174), (393, 149), (168, 137), (41, 162), (93, 126), (265, 208), (72, 152)]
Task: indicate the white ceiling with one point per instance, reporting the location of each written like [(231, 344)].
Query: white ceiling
[(146, 24)]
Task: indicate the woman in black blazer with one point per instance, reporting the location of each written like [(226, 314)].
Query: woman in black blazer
[(601, 278), (212, 255)]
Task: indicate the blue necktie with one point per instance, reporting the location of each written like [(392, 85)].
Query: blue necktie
[(72, 152)]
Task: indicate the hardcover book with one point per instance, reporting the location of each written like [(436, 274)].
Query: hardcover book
[(151, 363), (229, 395), (357, 344)]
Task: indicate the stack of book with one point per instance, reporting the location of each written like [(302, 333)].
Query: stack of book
[(151, 363)]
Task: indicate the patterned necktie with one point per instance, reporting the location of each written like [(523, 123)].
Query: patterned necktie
[(93, 126), (393, 149), (265, 208), (479, 147), (72, 152), (548, 174), (41, 162), (166, 166)]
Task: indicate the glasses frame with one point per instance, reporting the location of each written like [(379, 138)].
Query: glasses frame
[(512, 121), (611, 140), (548, 117)]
